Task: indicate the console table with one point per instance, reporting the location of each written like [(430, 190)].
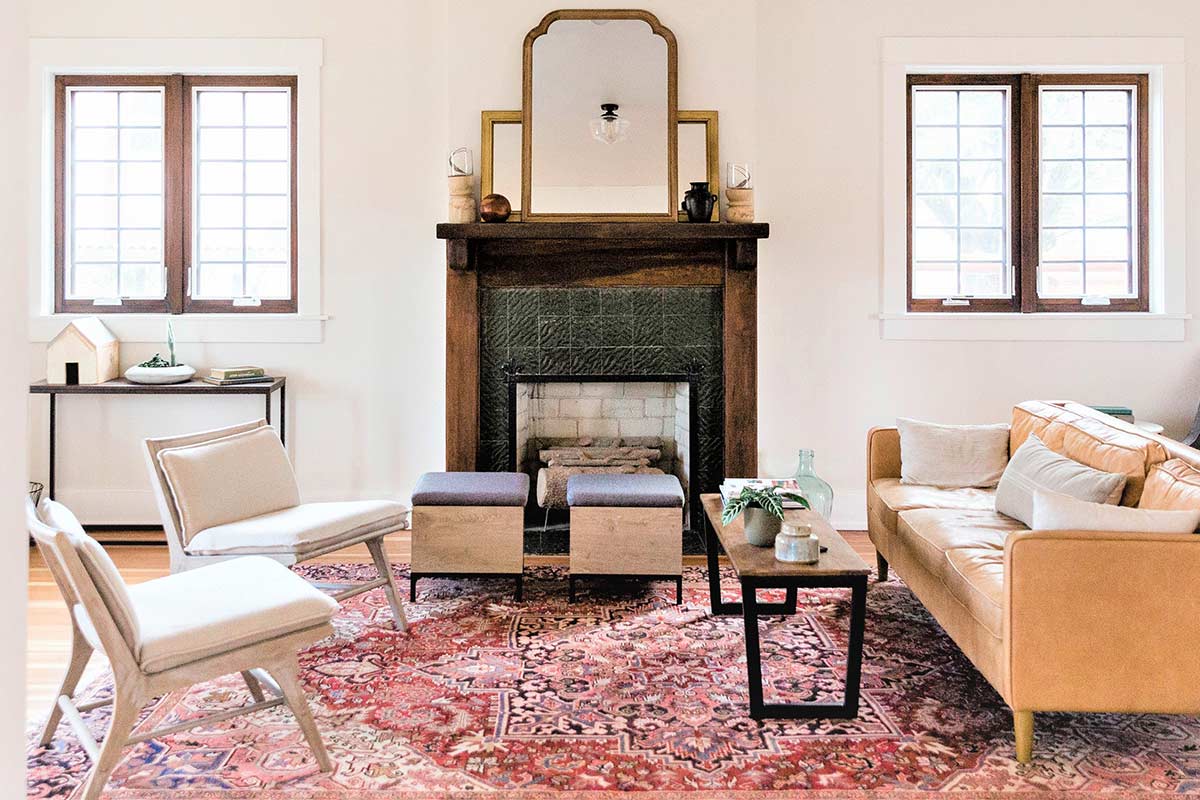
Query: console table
[(122, 386)]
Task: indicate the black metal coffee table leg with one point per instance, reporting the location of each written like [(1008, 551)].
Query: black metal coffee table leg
[(751, 609), (722, 609)]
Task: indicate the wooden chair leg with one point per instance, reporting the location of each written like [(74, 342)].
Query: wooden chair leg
[(81, 653), (1023, 731), (287, 675), (125, 712), (253, 685), (881, 565), (385, 571)]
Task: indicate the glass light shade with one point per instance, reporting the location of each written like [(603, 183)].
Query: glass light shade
[(608, 127)]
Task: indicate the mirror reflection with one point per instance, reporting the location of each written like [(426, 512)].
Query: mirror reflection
[(600, 116)]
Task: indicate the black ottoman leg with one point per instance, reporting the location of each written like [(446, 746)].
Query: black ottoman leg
[(679, 590), (412, 588), (520, 588), (571, 589)]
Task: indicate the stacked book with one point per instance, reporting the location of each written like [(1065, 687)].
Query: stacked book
[(232, 376), (732, 487)]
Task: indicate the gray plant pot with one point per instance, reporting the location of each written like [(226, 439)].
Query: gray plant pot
[(761, 527)]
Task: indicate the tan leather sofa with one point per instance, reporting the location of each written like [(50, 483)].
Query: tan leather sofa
[(1056, 621)]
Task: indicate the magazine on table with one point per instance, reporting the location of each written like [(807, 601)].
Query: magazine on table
[(732, 487)]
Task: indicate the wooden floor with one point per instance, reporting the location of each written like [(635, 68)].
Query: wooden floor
[(50, 625)]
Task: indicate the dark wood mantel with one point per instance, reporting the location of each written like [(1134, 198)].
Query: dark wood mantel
[(603, 254)]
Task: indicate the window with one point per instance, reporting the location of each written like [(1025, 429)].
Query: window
[(175, 194), (1028, 193)]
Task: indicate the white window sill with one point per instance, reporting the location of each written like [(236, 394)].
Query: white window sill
[(1066, 327), (215, 328)]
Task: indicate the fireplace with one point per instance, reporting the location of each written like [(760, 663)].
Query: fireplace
[(592, 304)]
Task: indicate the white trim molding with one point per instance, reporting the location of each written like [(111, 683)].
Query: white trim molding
[(300, 57), (1164, 60)]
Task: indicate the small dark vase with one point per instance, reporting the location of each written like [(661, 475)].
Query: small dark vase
[(698, 202)]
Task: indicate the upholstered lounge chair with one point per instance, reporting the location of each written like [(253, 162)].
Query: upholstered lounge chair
[(249, 615), (231, 492)]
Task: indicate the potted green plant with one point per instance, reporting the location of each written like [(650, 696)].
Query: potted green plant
[(763, 510), (158, 369)]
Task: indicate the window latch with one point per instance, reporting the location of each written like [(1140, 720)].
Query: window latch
[(1096, 300), (106, 301), (247, 301), (956, 301)]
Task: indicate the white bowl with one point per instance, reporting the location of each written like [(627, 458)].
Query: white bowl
[(154, 375)]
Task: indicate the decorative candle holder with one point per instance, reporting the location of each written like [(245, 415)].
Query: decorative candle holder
[(739, 191), (461, 180), (796, 544)]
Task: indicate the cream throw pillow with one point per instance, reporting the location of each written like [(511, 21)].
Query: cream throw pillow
[(952, 456), (229, 479), (1035, 466), (100, 568), (1059, 512)]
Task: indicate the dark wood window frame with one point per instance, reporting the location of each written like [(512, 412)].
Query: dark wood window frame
[(1025, 192), (177, 199)]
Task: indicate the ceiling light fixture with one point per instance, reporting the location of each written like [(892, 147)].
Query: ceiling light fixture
[(608, 127)]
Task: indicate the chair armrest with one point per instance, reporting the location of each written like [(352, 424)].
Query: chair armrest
[(1098, 621), (883, 453)]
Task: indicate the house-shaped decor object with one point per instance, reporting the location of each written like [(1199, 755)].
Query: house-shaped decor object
[(83, 352)]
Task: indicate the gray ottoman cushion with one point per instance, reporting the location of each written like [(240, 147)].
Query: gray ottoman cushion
[(645, 491), (471, 489)]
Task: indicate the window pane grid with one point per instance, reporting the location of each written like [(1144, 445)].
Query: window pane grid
[(106, 257), (1086, 234), (242, 204), (961, 236)]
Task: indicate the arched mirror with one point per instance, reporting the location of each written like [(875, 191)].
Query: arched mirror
[(599, 118)]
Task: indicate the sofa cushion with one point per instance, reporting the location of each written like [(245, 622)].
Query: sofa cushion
[(975, 577), (1172, 486), (471, 489), (1035, 466), (214, 609), (1058, 512), (894, 497), (951, 456), (1103, 447), (300, 529), (1044, 420), (928, 533), (228, 479)]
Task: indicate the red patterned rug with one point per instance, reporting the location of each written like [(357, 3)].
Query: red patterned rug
[(626, 693)]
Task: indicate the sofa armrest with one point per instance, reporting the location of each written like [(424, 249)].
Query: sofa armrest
[(1097, 621), (883, 453)]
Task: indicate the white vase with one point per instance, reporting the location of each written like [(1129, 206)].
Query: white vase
[(159, 375)]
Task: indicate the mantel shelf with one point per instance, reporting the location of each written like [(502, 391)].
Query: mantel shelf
[(603, 230), (738, 240)]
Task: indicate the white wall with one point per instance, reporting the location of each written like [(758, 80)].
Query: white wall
[(797, 85), (13, 357)]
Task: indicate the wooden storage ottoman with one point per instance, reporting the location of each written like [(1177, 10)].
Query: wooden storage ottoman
[(626, 526), (468, 525)]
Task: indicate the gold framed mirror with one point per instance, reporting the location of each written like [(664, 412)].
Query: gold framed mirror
[(500, 149), (599, 134)]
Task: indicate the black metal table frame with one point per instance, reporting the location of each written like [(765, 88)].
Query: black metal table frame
[(751, 609), (53, 390)]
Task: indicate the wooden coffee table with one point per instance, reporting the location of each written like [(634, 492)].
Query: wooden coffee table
[(757, 568)]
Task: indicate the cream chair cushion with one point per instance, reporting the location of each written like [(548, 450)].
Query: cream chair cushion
[(100, 568), (224, 480), (221, 607), (299, 529)]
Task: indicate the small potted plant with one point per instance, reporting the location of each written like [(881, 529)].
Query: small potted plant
[(157, 369), (763, 509)]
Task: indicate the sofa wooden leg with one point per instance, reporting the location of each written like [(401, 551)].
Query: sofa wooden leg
[(1023, 730), (881, 565)]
